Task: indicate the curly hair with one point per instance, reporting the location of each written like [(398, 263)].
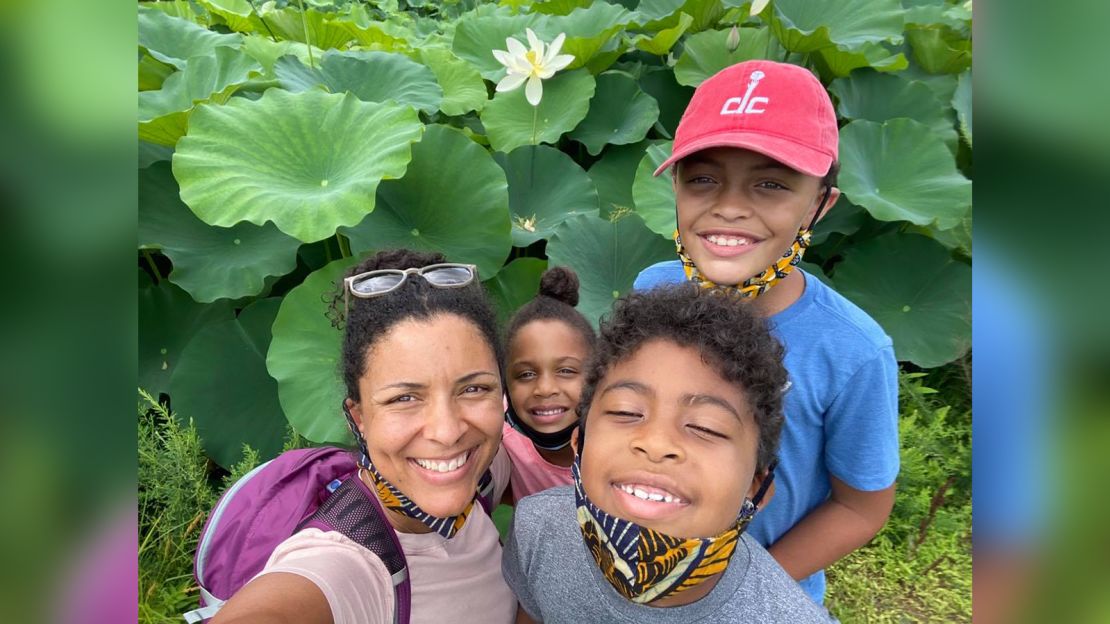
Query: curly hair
[(368, 320), (730, 337), (556, 300)]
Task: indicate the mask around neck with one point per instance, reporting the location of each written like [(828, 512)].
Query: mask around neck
[(644, 565), (554, 441)]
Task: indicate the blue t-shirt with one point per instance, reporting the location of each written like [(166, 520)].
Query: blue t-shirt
[(841, 409)]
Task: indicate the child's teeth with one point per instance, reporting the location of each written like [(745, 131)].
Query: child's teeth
[(649, 496), (726, 241)]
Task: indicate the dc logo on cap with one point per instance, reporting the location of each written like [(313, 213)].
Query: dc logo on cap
[(747, 104)]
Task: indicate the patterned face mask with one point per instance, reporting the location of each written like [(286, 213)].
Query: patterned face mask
[(395, 500), (645, 565), (762, 282)]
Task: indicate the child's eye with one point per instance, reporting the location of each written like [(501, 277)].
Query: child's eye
[(771, 185), (525, 375), (705, 431), (567, 371), (623, 415), (700, 179)]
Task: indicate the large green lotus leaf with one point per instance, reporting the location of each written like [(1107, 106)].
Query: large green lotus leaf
[(164, 114), (613, 174), (653, 197), (957, 238), (706, 53), (805, 26), (463, 87), (901, 170), (911, 285), (607, 256), (587, 29), (840, 61), (369, 76), (304, 356), (209, 262), (648, 11), (378, 35), (168, 318), (557, 7), (174, 40), (511, 121), (940, 49), (222, 384), (150, 153), (453, 199), (324, 32), (545, 188), (515, 285), (961, 101), (620, 113), (879, 97), (844, 218), (478, 33), (672, 97), (943, 85), (310, 162), (661, 42), (152, 73), (267, 52), (705, 14), (238, 15)]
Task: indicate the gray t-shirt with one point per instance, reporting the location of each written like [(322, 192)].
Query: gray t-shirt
[(546, 564)]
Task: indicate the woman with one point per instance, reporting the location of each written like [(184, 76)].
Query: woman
[(424, 400)]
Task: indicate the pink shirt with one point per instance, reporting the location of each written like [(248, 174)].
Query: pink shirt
[(451, 578), (531, 472)]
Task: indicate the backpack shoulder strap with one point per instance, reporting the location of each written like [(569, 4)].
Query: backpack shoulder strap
[(354, 512), (485, 493)]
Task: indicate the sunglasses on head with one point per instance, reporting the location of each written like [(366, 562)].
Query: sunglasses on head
[(384, 281)]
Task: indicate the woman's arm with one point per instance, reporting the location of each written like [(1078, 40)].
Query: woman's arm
[(840, 525), (276, 598)]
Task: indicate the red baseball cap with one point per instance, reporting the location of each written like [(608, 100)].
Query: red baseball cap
[(777, 109)]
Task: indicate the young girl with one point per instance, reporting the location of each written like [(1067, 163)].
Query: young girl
[(549, 342)]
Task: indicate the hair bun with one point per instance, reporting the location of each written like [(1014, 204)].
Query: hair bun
[(397, 259), (561, 284)]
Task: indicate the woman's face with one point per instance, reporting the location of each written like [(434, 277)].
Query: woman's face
[(430, 410)]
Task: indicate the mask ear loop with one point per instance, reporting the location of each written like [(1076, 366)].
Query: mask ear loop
[(816, 215), (364, 461), (767, 481)]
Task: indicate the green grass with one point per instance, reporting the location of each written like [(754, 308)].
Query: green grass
[(918, 569)]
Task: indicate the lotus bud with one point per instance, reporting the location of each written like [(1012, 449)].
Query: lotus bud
[(758, 6), (733, 40)]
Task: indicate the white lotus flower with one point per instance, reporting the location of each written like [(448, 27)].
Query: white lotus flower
[(758, 6), (533, 65)]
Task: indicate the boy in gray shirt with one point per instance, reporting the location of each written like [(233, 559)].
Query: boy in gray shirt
[(682, 410)]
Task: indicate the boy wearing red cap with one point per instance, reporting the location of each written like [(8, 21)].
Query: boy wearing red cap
[(754, 169)]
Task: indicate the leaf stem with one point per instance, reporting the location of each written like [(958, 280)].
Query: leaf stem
[(307, 39), (344, 245), (153, 267), (263, 20), (535, 119), (327, 251)]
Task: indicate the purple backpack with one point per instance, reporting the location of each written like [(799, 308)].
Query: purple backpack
[(298, 489)]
